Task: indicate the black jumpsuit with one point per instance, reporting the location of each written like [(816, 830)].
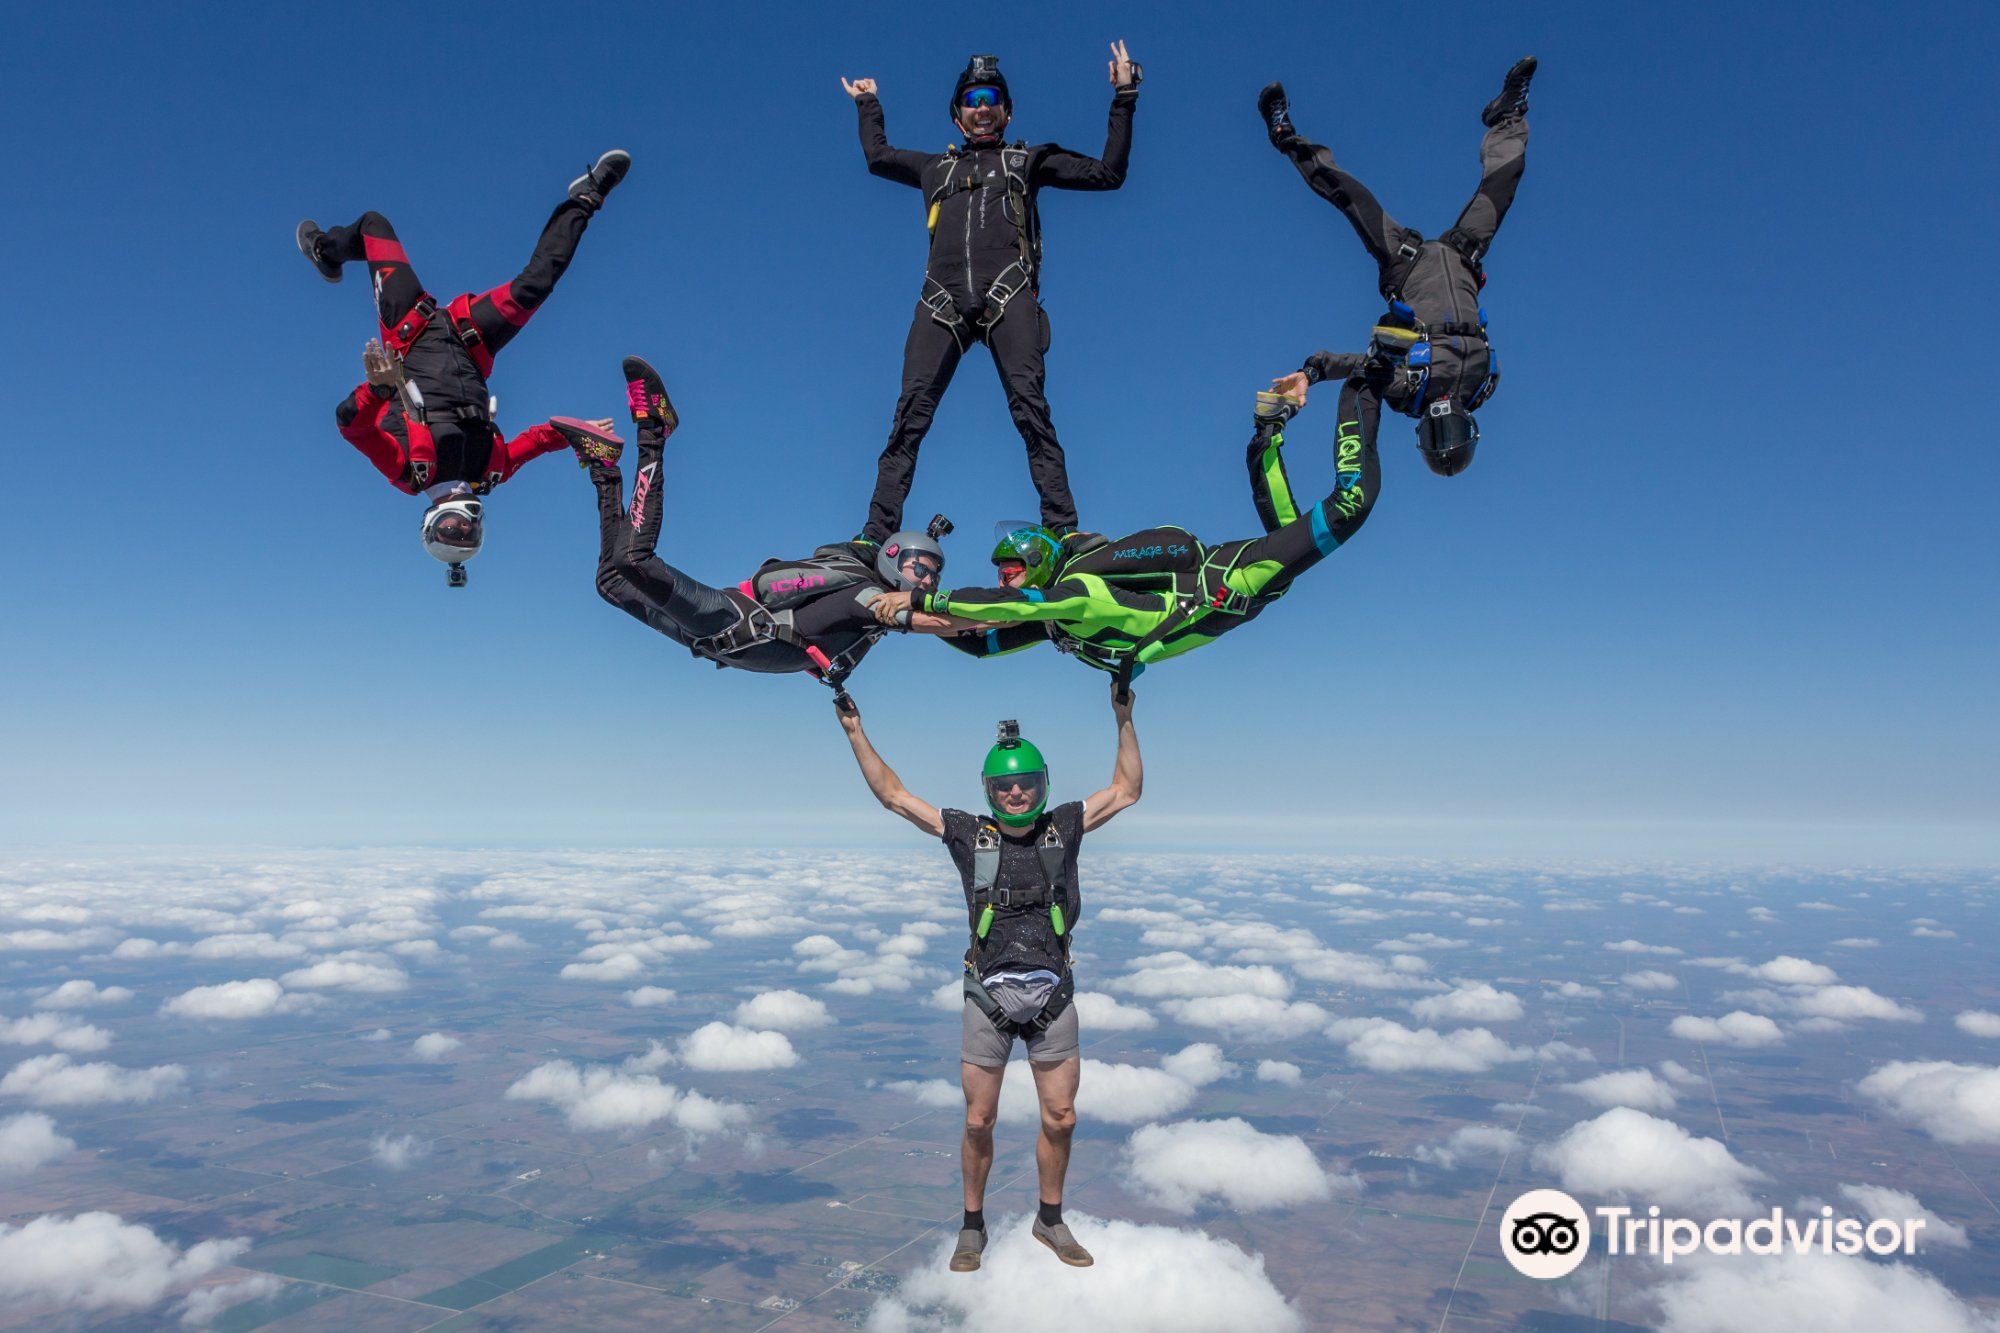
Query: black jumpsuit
[(977, 240), (1437, 281), (632, 577)]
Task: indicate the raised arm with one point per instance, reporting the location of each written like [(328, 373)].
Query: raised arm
[(882, 779), (905, 165), (1064, 170), (1128, 775)]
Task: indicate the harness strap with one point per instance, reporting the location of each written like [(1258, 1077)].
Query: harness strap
[(406, 330), (976, 992)]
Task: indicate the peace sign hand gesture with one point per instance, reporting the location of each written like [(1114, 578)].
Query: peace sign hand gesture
[(1124, 70)]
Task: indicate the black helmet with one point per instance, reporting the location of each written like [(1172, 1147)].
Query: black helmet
[(981, 71), (1447, 435)]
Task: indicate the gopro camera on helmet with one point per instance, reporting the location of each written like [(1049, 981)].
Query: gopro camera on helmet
[(1010, 734), (454, 576), (982, 69), (939, 529)]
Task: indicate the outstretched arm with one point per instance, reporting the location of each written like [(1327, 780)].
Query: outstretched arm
[(905, 165), (995, 642), (1065, 170), (882, 779), (1128, 775)]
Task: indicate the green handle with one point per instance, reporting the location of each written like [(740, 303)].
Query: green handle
[(986, 920), (1056, 917)]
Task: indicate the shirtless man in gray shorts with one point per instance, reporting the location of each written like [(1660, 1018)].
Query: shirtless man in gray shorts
[(1022, 901)]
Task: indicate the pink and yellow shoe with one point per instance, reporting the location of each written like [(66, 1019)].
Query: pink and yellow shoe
[(591, 444)]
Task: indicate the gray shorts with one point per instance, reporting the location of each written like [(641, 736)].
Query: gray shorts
[(984, 1044)]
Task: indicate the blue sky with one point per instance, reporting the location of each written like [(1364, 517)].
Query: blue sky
[(1721, 581)]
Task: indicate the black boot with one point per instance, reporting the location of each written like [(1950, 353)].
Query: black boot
[(590, 188), (1513, 98), (1277, 114), (310, 236)]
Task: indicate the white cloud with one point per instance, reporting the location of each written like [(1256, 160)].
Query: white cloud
[(1380, 1044), (28, 1142), (1634, 946), (718, 1046), (1953, 1103), (204, 1305), (1098, 1012), (379, 1034), (1170, 1279), (618, 967), (56, 1080), (599, 1097), (1852, 1002), (1279, 1071), (1649, 980), (400, 1152), (1200, 1064), (1978, 1023), (1785, 970), (235, 1000), (1479, 1003), (1576, 990), (1678, 1074), (1626, 1087), (1879, 1201), (1736, 1028), (1633, 1155), (1183, 1166), (650, 997), (1470, 1143), (218, 947), (783, 1011), (82, 995), (1176, 975), (348, 974), (99, 1261), (434, 1046), (1753, 1294), (63, 1033), (1249, 1017), (52, 941)]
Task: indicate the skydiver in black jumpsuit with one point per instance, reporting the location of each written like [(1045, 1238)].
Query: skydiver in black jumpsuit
[(984, 272), (1435, 330)]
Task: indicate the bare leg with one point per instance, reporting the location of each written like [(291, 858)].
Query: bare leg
[(1055, 1088), (982, 1107)]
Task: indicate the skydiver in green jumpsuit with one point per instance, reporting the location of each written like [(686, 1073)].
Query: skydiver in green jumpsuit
[(1163, 591)]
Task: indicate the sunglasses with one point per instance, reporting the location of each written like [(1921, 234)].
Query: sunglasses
[(975, 98)]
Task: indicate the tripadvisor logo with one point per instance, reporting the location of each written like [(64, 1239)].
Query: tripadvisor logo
[(1545, 1234)]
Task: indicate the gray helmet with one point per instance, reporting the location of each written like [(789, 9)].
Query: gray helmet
[(915, 548)]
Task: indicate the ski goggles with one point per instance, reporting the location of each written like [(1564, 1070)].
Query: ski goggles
[(972, 99), (460, 530), (1030, 785)]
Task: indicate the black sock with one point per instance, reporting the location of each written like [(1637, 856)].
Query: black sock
[(1050, 1214), (975, 1220)]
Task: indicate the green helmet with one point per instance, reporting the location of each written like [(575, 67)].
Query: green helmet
[(1014, 763), (1031, 544)]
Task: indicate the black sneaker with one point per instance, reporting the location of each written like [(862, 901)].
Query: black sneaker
[(1277, 114), (310, 236), (590, 188), (1075, 544), (646, 395), (1513, 98)]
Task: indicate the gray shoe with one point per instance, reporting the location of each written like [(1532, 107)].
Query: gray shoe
[(971, 1244), (1058, 1239)]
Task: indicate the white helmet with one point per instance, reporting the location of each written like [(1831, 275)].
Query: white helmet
[(453, 530)]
